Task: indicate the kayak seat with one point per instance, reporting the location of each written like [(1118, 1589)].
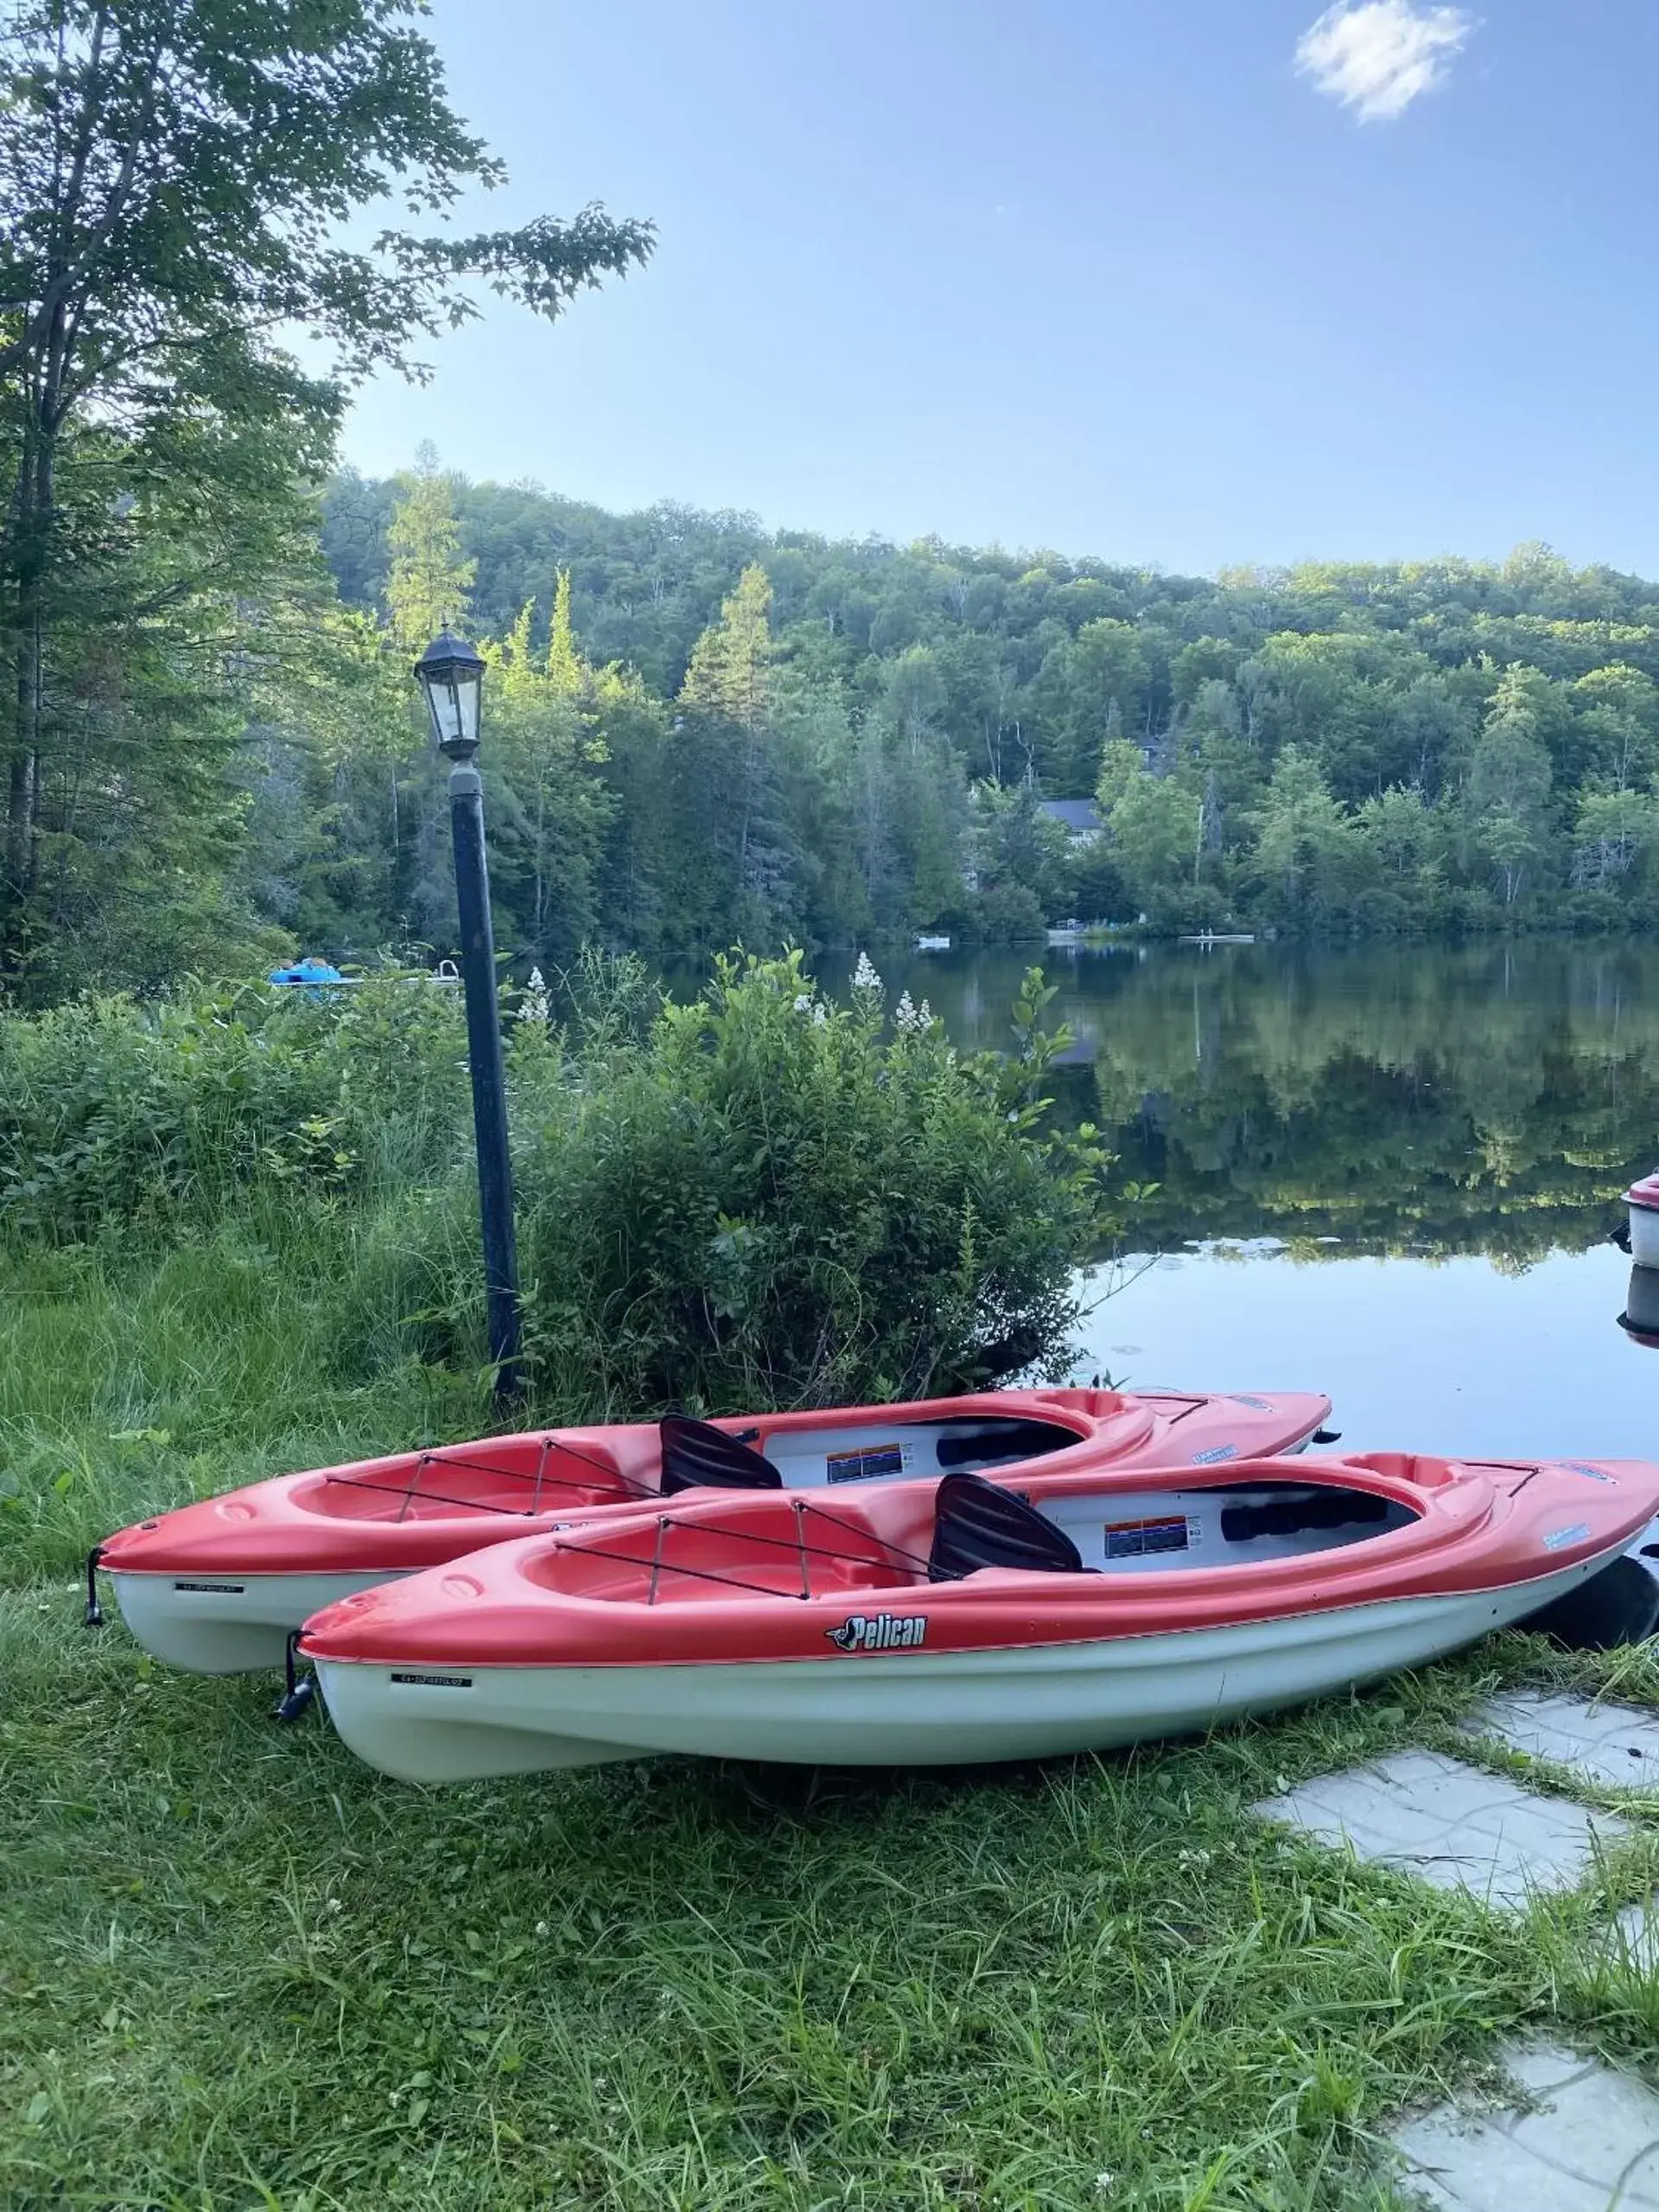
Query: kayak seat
[(975, 1525), (698, 1456)]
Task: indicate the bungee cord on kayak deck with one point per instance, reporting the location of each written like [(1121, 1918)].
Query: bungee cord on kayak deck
[(796, 1546), (412, 1493)]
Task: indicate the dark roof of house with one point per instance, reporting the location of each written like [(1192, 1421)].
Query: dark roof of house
[(1076, 813)]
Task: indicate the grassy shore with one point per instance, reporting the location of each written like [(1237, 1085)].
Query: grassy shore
[(240, 1970)]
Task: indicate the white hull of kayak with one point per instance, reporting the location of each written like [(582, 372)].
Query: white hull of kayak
[(1644, 1236), (226, 1625), (457, 1723)]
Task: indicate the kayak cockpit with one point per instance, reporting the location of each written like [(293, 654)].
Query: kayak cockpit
[(531, 1475), (1222, 1524), (838, 1453), (788, 1546)]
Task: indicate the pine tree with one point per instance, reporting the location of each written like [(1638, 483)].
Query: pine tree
[(730, 680), (430, 588), (730, 674), (563, 662), (554, 808)]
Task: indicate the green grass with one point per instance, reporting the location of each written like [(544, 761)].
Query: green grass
[(240, 1970), (133, 1380)]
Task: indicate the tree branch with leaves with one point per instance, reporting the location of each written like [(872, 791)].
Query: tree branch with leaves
[(177, 181)]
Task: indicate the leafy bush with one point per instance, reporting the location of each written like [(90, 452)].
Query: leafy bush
[(1009, 914), (772, 1201), (114, 1113), (754, 1199)]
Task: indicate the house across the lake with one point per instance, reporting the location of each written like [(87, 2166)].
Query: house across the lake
[(1078, 818)]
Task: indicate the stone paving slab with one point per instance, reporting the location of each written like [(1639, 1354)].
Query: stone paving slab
[(1608, 1743), (1589, 2142), (1450, 1825), (1636, 1939)]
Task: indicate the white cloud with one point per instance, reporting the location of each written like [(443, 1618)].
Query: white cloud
[(1379, 55)]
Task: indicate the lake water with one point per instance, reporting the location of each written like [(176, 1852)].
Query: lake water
[(1387, 1173)]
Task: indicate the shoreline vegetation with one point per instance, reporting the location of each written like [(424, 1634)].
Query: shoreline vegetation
[(750, 1199)]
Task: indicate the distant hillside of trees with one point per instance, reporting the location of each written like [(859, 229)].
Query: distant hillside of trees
[(699, 730), (772, 733)]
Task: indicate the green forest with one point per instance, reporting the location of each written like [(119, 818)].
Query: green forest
[(699, 730), (771, 734)]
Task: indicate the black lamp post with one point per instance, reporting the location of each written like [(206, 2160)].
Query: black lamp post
[(452, 675)]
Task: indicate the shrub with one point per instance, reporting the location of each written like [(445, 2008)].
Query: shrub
[(116, 1114), (755, 1199), (772, 1202), (1010, 914)]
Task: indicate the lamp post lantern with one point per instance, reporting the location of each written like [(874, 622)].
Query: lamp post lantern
[(452, 676)]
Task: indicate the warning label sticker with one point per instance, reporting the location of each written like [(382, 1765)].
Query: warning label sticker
[(866, 1463), (1138, 1539)]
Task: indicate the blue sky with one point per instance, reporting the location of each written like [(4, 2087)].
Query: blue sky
[(1115, 278)]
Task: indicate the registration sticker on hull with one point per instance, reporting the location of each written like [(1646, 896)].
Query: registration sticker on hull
[(214, 1589), (866, 1463), (1215, 1455)]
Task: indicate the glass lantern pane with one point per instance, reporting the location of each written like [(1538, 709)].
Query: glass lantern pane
[(468, 690), (446, 709)]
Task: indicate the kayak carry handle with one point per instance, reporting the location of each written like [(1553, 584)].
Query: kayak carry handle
[(299, 1690)]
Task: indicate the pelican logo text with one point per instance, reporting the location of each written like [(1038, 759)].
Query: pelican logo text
[(879, 1632)]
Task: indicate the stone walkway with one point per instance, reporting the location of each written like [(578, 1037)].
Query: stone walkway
[(1453, 1826), (1605, 1743), (1578, 2137), (1575, 2135)]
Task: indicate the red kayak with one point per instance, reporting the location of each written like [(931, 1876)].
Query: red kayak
[(958, 1620), (219, 1585)]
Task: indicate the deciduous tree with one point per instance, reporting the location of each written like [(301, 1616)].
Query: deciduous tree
[(176, 184)]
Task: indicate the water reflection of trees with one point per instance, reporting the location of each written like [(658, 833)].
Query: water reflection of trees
[(1493, 1099)]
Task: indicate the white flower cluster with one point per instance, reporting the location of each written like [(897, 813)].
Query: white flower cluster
[(805, 1003), (911, 1017), (864, 975), (536, 1003)]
